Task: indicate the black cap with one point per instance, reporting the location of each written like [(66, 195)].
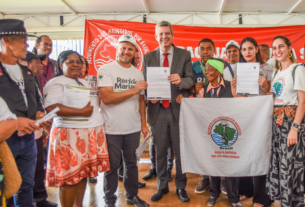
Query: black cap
[(13, 27), (30, 56)]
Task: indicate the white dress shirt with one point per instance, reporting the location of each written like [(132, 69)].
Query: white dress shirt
[(169, 57)]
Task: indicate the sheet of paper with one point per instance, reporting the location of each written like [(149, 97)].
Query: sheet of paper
[(141, 148), (76, 96), (247, 78), (159, 88)]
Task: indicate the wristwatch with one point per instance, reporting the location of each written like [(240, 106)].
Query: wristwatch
[(296, 126)]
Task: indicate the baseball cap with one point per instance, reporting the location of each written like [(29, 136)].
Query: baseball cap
[(30, 56), (128, 38), (232, 43)]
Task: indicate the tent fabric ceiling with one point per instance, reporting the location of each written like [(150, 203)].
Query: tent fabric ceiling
[(155, 6), (42, 16)]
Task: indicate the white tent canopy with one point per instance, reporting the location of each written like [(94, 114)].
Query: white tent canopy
[(44, 16)]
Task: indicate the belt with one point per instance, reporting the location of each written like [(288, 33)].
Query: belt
[(281, 111)]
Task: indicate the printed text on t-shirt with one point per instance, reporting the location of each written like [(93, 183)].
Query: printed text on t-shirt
[(125, 84)]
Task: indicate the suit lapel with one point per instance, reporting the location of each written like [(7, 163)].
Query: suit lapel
[(175, 60), (157, 57)]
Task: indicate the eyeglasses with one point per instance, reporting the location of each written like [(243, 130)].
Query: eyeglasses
[(47, 44), (72, 62)]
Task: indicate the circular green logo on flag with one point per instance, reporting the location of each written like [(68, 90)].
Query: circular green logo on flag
[(224, 132)]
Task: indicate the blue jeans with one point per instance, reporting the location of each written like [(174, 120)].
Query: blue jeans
[(25, 153)]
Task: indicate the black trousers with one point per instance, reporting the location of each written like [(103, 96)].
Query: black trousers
[(245, 186), (118, 144), (39, 190), (232, 189), (255, 187)]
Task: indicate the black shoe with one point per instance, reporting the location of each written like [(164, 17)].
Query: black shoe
[(120, 177), (109, 205), (159, 194), (150, 174), (136, 201), (46, 203), (92, 180), (183, 196), (141, 185), (170, 173)]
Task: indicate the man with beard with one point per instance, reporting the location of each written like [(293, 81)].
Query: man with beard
[(135, 62), (122, 87)]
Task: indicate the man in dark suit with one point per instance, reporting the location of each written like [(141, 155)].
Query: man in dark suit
[(163, 116)]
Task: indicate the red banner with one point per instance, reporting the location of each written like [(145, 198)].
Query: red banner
[(101, 39)]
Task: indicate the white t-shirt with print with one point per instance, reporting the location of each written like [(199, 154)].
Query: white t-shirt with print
[(16, 75), (265, 70), (284, 89), (123, 117), (5, 112), (53, 93)]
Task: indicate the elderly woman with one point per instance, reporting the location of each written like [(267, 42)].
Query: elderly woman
[(218, 88), (77, 148)]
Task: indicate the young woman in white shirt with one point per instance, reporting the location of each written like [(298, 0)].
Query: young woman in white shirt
[(285, 180), (249, 52)]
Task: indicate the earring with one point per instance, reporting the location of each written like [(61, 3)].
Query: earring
[(290, 55), (218, 80)]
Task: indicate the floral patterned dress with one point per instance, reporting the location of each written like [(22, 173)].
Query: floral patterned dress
[(77, 153)]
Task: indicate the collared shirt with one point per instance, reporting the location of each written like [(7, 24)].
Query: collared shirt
[(47, 74), (212, 88), (169, 57)]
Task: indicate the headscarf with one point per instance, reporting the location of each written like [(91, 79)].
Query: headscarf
[(217, 64)]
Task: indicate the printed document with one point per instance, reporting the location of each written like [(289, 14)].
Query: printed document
[(76, 96), (159, 88), (247, 78)]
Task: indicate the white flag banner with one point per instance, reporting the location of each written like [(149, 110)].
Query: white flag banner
[(227, 137)]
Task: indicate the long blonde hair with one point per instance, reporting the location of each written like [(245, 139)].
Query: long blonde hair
[(288, 43)]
